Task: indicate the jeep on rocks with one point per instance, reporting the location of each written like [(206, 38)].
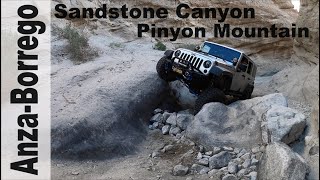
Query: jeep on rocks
[(211, 71)]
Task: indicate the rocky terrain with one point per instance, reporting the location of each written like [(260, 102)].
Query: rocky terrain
[(113, 118)]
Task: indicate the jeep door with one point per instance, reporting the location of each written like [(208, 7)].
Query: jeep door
[(240, 78), (251, 71)]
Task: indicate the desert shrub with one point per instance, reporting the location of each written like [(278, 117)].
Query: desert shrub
[(160, 46), (78, 46)]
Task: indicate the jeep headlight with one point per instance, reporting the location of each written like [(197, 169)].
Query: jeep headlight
[(177, 53), (207, 64)]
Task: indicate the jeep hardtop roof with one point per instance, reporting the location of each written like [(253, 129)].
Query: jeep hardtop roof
[(224, 46)]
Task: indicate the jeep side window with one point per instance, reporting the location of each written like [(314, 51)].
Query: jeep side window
[(249, 71), (243, 64)]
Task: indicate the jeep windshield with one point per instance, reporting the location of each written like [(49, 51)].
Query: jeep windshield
[(220, 51)]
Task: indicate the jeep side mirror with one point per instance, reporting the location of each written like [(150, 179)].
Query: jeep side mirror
[(197, 48), (234, 62)]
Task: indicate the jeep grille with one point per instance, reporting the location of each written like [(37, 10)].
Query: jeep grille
[(196, 62)]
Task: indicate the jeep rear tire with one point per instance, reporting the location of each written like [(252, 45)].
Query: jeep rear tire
[(209, 95), (164, 70), (247, 93)]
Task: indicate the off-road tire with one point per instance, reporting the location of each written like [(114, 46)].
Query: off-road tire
[(209, 95), (247, 93), (164, 72)]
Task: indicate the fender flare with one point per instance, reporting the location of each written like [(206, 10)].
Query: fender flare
[(168, 54), (218, 71)]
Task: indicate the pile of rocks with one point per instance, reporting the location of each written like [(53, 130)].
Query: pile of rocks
[(171, 123), (263, 127), (216, 162), (224, 162)]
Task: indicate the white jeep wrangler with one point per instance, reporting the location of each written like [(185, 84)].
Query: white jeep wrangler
[(211, 71)]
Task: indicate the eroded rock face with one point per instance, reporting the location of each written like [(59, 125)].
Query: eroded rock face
[(238, 124), (280, 162), (308, 17), (104, 121), (282, 124)]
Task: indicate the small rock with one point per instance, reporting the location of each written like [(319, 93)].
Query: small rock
[(178, 136), (158, 110), (225, 148), (204, 161), (196, 168), (242, 172), (189, 178), (204, 170), (180, 170), (219, 160), (157, 118), (259, 155), (246, 156), (237, 160), (253, 175), (172, 120), (262, 148), (192, 143), (255, 149), (246, 163), (237, 150), (174, 130), (253, 168), (229, 177), (166, 115), (155, 154), (75, 173), (224, 169), (212, 172), (168, 148), (217, 176), (253, 156), (242, 152), (165, 129), (216, 150), (155, 125), (232, 168), (150, 127), (199, 156), (209, 153), (206, 156), (60, 165), (254, 162)]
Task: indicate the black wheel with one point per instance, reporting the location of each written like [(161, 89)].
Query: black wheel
[(209, 95), (164, 70), (247, 93)]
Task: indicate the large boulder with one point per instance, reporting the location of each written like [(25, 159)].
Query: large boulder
[(280, 162), (183, 95), (238, 124), (282, 124)]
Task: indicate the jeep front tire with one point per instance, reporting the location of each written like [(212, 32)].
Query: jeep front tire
[(209, 95), (164, 70)]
